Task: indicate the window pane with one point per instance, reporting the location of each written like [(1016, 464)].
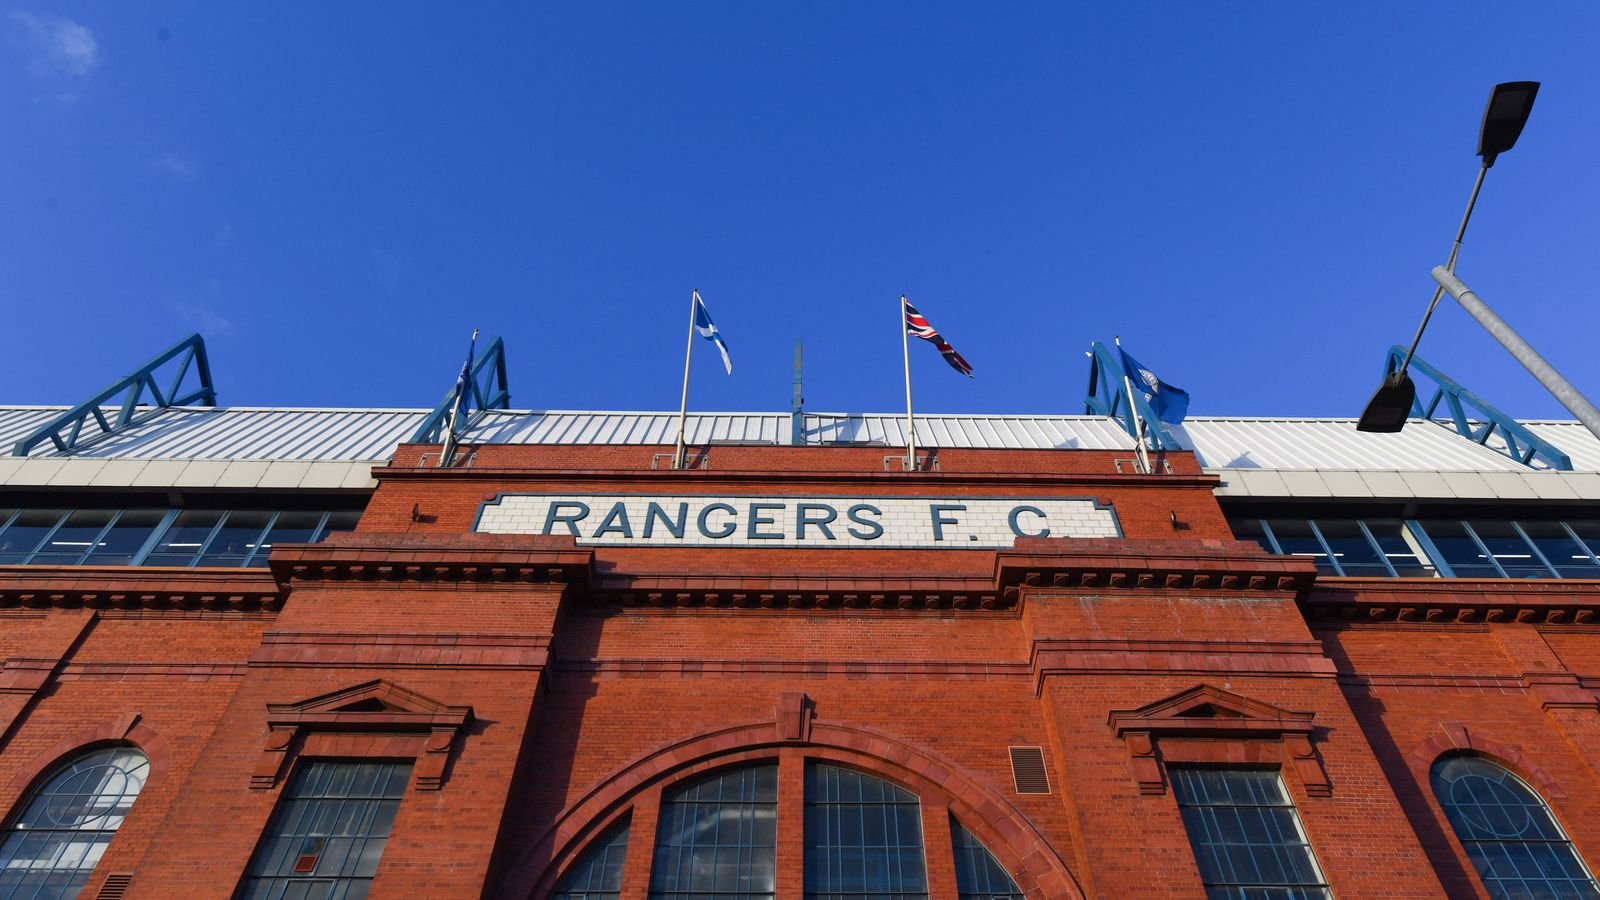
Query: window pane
[(1391, 537), (1510, 550), (66, 823), (1570, 558), (126, 537), (1458, 548), (1246, 836), (236, 539), (716, 838), (19, 541), (290, 528), (1295, 538), (1250, 530), (979, 876), (320, 842), (863, 838), (597, 875), (1350, 547), (74, 538), (340, 521), (184, 538), (1508, 833)]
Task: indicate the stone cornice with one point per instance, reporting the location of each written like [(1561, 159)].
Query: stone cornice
[(1170, 565), (797, 591), (1336, 602), (123, 587), (438, 558)]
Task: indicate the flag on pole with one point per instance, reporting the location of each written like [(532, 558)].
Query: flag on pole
[(917, 326), (464, 383), (708, 330), (1169, 402)]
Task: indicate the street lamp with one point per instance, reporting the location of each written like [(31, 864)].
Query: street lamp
[(1507, 112)]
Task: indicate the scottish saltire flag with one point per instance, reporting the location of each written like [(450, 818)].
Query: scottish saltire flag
[(464, 381), (918, 326), (708, 330), (1168, 402)]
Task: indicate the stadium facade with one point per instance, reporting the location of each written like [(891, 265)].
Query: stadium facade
[(284, 653)]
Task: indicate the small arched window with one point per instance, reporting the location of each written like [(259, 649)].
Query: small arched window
[(863, 838), (66, 823), (1508, 832), (718, 837), (979, 876), (597, 875)]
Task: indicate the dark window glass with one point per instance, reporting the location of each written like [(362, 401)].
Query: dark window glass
[(183, 539), (1250, 530), (1508, 833), (597, 875), (979, 876), (1296, 539), (289, 528), (863, 838), (75, 538), (1570, 558), (329, 831), (1509, 549), (236, 539), (344, 520), (1465, 558), (1355, 554), (66, 824), (1390, 536), (1247, 839), (26, 532), (125, 538), (717, 837)]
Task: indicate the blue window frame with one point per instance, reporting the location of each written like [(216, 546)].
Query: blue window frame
[(328, 833), (159, 537), (1508, 832), (717, 837), (65, 825), (979, 876), (597, 875), (863, 838), (1247, 838)]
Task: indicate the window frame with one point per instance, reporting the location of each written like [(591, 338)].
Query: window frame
[(1241, 889), (169, 516)]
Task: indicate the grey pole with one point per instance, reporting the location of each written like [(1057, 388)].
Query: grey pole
[(1524, 353)]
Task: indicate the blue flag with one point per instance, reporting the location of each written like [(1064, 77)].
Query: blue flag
[(708, 330), (1169, 402)]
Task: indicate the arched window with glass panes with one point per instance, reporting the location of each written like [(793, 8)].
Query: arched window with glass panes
[(1508, 832), (716, 838), (63, 827)]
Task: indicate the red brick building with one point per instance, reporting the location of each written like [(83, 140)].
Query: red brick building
[(284, 653)]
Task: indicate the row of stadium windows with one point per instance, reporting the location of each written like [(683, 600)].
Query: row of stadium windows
[(1429, 548), (159, 537)]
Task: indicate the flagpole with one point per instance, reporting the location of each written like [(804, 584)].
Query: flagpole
[(911, 423), (1138, 420), (447, 452), (679, 454)]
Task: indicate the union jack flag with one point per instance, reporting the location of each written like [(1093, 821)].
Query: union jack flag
[(918, 326)]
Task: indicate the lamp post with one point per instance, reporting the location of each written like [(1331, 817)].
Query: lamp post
[(1503, 119)]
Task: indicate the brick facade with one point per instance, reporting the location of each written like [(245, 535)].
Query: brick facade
[(546, 690)]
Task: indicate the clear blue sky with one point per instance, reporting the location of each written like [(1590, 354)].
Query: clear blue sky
[(335, 194)]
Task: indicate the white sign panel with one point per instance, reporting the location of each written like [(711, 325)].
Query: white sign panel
[(657, 520)]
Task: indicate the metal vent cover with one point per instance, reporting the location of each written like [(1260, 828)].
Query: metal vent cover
[(115, 887), (1027, 770)]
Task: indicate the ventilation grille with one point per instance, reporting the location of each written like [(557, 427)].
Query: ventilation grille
[(1027, 770), (116, 886)]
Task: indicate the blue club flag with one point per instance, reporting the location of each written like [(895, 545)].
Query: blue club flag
[(708, 330), (463, 399), (1169, 402)]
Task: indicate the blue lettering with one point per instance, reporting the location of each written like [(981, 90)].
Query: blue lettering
[(615, 521), (756, 519), (1017, 530), (855, 512), (938, 511), (727, 528), (828, 514), (552, 517), (656, 512)]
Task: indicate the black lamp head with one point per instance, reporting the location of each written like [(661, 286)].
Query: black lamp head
[(1509, 105), (1390, 406)]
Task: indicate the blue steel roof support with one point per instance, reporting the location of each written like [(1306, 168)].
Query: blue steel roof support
[(1108, 396), (488, 391), (1522, 445), (191, 355)]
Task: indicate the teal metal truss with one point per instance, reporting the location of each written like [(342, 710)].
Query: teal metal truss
[(142, 397), (1108, 396), (1486, 421), (487, 390)]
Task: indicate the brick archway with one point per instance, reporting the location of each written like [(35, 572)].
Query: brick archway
[(1003, 829), (126, 729), (1458, 739)]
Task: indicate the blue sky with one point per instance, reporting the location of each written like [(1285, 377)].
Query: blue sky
[(335, 194)]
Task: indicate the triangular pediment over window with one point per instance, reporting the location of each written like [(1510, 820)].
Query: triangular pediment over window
[(1205, 710), (370, 704)]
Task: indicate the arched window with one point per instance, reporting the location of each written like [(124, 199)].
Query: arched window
[(863, 838), (66, 823), (717, 837), (979, 876), (597, 875), (1508, 832)]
